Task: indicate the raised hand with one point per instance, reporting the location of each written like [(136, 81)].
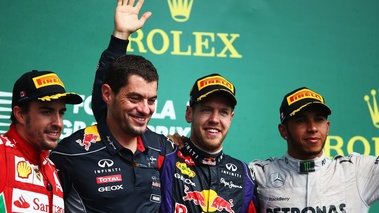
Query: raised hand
[(126, 19)]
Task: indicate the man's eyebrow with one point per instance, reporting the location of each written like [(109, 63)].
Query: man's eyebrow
[(131, 94), (50, 108), (298, 115)]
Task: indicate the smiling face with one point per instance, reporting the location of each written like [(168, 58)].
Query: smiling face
[(306, 133), (42, 124), (210, 121), (130, 110)]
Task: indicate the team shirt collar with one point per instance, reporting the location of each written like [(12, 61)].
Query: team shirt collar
[(111, 143), (306, 166), (32, 154), (202, 157)]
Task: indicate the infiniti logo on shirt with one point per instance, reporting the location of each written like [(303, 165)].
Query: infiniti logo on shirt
[(231, 166), (105, 163)]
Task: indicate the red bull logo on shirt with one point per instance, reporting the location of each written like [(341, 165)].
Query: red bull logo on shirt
[(208, 200), (91, 135)]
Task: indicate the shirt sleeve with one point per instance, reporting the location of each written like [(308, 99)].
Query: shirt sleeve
[(3, 168), (368, 178), (116, 48)]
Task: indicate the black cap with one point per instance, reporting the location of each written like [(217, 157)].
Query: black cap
[(209, 84), (42, 86), (296, 100)]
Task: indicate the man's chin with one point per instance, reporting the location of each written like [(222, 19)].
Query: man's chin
[(50, 145), (139, 131)]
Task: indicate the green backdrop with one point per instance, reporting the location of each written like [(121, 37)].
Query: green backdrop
[(266, 47)]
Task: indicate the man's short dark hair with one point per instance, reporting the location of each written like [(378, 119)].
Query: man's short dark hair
[(119, 71), (25, 109)]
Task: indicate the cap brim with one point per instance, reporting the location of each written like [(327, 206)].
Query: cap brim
[(69, 97), (322, 106), (231, 97)]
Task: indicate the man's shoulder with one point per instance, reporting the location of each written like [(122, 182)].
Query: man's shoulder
[(262, 163), (7, 143), (355, 158), (230, 161), (151, 135), (4, 141), (158, 141)]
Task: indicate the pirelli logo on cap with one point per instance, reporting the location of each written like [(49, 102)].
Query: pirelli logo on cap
[(50, 79), (215, 80), (303, 94)]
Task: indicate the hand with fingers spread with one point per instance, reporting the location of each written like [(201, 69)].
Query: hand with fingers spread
[(126, 19)]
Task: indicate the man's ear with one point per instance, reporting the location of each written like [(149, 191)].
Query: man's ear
[(283, 131), (106, 92), (19, 114), (231, 117), (189, 112)]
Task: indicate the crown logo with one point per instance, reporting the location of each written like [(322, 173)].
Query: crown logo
[(374, 111), (180, 9)]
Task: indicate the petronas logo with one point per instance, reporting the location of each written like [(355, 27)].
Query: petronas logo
[(373, 108), (180, 9)]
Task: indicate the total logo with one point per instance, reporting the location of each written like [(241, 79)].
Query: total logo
[(109, 179), (203, 199)]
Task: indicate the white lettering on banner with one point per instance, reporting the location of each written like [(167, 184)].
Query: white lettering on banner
[(204, 43), (168, 110), (73, 127), (86, 105), (338, 144)]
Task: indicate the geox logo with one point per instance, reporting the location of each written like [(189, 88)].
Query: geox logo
[(180, 9), (373, 109), (5, 110)]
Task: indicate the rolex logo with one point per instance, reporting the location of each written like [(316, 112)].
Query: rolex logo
[(180, 9), (373, 108)]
